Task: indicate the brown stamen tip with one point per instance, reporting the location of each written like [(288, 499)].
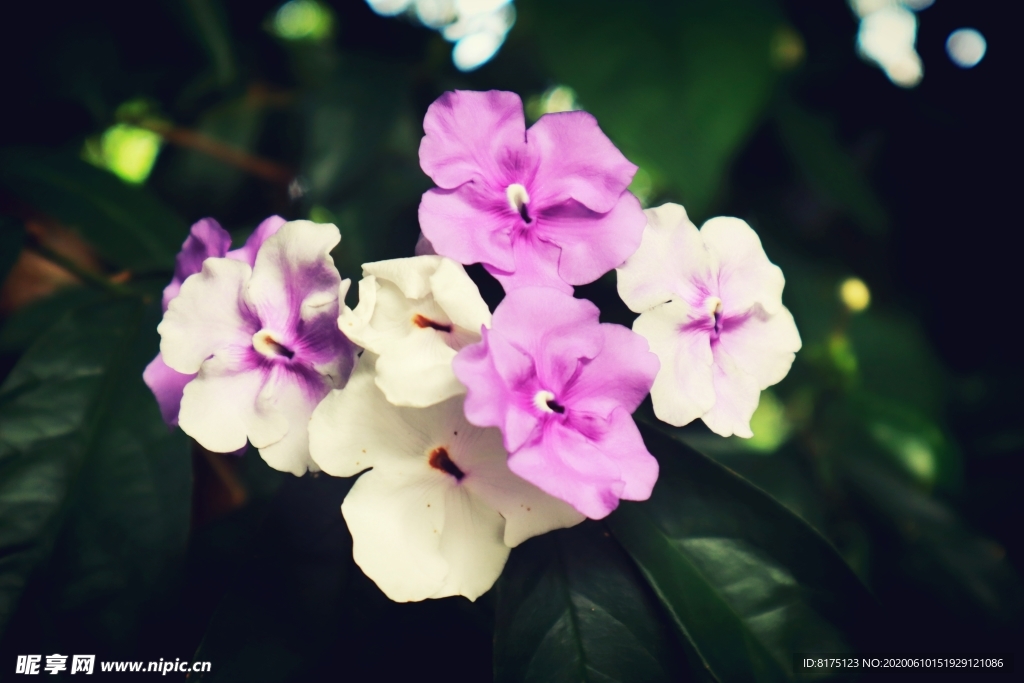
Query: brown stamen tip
[(440, 460), (425, 322)]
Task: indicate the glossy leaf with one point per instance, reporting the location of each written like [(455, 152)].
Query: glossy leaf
[(127, 225), (95, 495), (746, 581), (938, 550), (678, 86), (572, 607), (298, 609)]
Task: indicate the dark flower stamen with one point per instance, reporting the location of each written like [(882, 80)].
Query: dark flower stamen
[(425, 322), (440, 460)]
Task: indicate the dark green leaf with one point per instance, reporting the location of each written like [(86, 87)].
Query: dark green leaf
[(127, 225), (572, 607), (299, 610), (27, 323), (745, 580), (896, 360), (938, 550), (913, 442), (678, 86), (12, 236), (95, 490), (210, 25), (828, 167)]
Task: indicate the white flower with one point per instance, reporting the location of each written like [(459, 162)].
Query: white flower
[(439, 510), (415, 314), (710, 305)]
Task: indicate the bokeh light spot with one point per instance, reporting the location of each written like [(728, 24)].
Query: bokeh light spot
[(966, 47), (553, 100), (769, 423), (787, 48), (887, 37), (303, 20), (854, 294), (126, 151)]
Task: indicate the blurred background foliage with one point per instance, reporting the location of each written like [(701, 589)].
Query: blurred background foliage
[(896, 437)]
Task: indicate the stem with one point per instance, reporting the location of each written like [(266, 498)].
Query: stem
[(83, 274), (232, 156)]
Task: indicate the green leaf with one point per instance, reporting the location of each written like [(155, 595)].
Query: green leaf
[(748, 582), (936, 549), (572, 607), (828, 167), (32, 320), (678, 86), (897, 361), (12, 236), (127, 225), (94, 489), (913, 442)]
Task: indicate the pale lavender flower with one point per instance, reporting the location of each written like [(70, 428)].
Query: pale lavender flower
[(207, 239), (265, 343), (710, 304)]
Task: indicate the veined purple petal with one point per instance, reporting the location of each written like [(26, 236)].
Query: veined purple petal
[(544, 207), (206, 239), (247, 252), (167, 386), (557, 382), (578, 162), (473, 136)]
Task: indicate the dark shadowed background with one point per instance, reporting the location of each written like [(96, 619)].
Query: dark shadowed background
[(897, 435)]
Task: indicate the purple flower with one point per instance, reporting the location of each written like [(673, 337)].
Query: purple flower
[(265, 343), (206, 239), (561, 387), (548, 206), (710, 304)]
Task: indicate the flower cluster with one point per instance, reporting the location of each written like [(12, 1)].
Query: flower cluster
[(472, 431)]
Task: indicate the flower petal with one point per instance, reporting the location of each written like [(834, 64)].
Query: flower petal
[(294, 275), (417, 370), (576, 160), (488, 398), (762, 345), (471, 544), (683, 388), (536, 265), (459, 297), (206, 239), (671, 262), (736, 396), (527, 510), (472, 135), (207, 315), (593, 244), (289, 397), (745, 275), (247, 252), (570, 467), (218, 407), (469, 225), (620, 376), (355, 428), (396, 518), (167, 386)]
